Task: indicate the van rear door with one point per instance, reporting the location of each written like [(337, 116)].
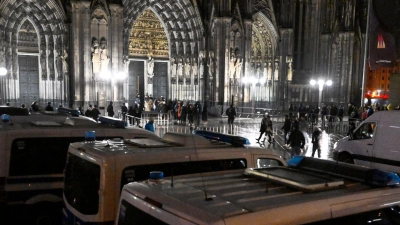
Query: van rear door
[(386, 147)]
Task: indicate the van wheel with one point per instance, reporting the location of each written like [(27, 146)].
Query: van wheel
[(47, 214), (346, 158)]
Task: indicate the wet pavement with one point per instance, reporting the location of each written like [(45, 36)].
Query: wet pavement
[(249, 128)]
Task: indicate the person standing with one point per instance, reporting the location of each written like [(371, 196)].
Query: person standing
[(150, 125), (35, 106), (340, 113), (231, 113), (296, 141), (263, 128), (137, 114), (110, 109), (95, 113), (190, 113), (316, 138), (269, 131), (49, 107), (88, 112), (124, 111), (286, 127), (131, 114)]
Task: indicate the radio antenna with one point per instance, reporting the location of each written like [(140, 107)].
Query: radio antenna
[(206, 198)]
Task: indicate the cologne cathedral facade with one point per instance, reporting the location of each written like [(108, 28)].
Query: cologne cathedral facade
[(258, 53)]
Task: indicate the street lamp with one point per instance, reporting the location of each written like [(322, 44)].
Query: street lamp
[(321, 84), (3, 71)]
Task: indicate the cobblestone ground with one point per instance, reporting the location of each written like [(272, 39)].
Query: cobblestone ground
[(249, 128)]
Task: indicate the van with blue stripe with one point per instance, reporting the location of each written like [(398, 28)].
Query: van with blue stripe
[(33, 153)]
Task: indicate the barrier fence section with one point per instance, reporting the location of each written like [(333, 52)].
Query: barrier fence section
[(331, 124)]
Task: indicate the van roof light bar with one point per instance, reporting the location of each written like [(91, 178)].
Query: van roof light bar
[(72, 112), (237, 141), (112, 121), (369, 176)]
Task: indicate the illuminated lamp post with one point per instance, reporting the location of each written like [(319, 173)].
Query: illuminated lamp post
[(321, 84)]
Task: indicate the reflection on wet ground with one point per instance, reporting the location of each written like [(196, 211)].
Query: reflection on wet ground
[(249, 128)]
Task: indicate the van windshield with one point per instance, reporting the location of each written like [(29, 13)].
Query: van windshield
[(81, 184)]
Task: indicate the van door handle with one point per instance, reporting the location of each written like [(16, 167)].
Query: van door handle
[(369, 144)]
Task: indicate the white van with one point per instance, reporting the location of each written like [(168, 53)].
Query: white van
[(310, 191), (375, 143), (33, 153), (96, 172)]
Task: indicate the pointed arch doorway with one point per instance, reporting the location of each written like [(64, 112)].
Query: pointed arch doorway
[(148, 40), (28, 63)]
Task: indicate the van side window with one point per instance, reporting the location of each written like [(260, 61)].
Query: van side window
[(263, 163), (137, 173), (40, 156), (365, 131)]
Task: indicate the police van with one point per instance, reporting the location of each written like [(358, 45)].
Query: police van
[(96, 172), (308, 191), (33, 153), (374, 143)]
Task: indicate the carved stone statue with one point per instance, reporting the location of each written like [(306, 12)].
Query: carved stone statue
[(59, 63), (238, 67), (201, 70), (95, 56), (289, 72), (211, 65), (258, 71), (150, 67), (180, 69), (276, 70), (126, 63), (232, 65), (269, 71), (65, 62), (187, 68), (194, 68), (43, 64), (104, 60), (173, 67)]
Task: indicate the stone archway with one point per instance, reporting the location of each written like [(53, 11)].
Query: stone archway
[(47, 18), (182, 24), (148, 39), (264, 45)]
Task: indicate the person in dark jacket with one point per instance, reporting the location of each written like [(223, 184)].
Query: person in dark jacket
[(316, 137), (124, 111), (35, 106), (286, 127), (110, 109), (131, 112), (95, 113), (88, 111), (263, 128), (296, 141), (231, 113), (49, 107), (138, 114)]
